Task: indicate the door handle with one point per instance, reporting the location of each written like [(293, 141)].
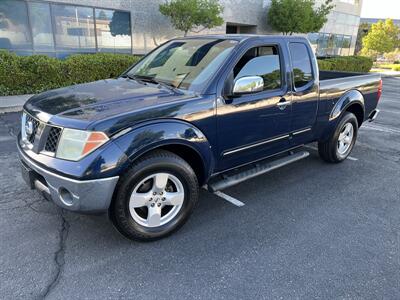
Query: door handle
[(283, 103)]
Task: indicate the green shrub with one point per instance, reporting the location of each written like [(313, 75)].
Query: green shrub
[(396, 68), (85, 68), (359, 64), (37, 73)]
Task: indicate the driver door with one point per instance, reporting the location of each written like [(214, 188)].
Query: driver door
[(254, 125)]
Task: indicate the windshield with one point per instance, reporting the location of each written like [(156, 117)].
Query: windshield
[(185, 64)]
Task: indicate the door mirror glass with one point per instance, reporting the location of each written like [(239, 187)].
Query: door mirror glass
[(248, 84)]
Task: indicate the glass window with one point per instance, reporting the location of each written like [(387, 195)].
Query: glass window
[(337, 44), (313, 38), (74, 28), (346, 45), (186, 64), (330, 45), (261, 61), (113, 29), (322, 44), (14, 30), (302, 72), (42, 32)]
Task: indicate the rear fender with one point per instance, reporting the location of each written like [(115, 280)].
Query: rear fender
[(345, 101), (140, 140)]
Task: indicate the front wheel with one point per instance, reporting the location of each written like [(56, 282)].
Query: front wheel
[(155, 197), (339, 146)]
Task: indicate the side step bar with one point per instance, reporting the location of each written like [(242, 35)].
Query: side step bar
[(258, 169)]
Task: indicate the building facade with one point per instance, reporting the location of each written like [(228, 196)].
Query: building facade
[(371, 21), (62, 27)]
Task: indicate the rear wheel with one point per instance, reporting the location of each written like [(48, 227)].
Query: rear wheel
[(341, 143), (155, 197)]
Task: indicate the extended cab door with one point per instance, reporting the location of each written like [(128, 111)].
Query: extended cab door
[(254, 125), (305, 92)]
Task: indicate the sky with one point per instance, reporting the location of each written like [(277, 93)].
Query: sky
[(381, 9)]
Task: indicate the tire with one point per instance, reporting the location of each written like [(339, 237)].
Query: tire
[(334, 150), (155, 197)]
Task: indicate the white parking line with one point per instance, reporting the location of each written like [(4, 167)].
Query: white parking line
[(380, 128), (390, 112), (316, 149), (352, 158), (391, 101), (228, 198)]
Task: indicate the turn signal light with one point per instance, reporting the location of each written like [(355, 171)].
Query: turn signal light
[(95, 140)]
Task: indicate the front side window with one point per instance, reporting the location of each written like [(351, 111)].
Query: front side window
[(261, 61), (302, 71), (186, 64)]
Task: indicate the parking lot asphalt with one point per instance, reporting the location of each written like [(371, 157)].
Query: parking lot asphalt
[(310, 230)]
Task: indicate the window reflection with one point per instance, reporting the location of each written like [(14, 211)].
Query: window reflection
[(113, 29), (301, 62), (263, 62), (74, 28), (346, 45), (326, 44), (14, 30), (42, 32)]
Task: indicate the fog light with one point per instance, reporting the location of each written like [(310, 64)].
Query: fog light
[(65, 196)]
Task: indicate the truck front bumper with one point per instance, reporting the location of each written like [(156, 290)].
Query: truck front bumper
[(86, 196)]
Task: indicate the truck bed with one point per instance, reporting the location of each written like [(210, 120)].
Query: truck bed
[(324, 75), (335, 84)]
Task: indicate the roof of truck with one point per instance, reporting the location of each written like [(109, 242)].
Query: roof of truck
[(241, 37)]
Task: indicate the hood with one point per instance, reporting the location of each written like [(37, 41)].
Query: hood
[(83, 104)]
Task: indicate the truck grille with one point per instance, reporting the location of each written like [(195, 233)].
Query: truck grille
[(35, 126), (44, 138), (52, 139)]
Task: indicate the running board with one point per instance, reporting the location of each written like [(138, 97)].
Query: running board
[(256, 170)]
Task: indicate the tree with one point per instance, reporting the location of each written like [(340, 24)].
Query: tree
[(120, 23), (298, 16), (102, 15), (383, 37), (186, 15)]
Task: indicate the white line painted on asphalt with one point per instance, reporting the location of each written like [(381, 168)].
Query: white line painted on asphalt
[(316, 149), (228, 198), (6, 138), (352, 158), (392, 101), (390, 112), (381, 128)]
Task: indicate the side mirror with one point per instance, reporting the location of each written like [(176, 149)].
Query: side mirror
[(248, 84)]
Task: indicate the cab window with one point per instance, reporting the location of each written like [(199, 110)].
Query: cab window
[(302, 70), (261, 61)]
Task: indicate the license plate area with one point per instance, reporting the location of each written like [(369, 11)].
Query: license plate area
[(28, 176)]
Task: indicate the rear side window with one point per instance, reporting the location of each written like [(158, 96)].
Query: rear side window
[(302, 71), (261, 61)]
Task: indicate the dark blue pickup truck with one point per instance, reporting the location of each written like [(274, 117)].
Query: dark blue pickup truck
[(204, 111)]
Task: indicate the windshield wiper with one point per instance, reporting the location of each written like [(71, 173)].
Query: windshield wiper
[(150, 79)]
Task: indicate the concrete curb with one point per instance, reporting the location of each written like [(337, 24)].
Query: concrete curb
[(13, 103), (386, 74)]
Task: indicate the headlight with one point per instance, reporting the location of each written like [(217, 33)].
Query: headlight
[(75, 144)]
